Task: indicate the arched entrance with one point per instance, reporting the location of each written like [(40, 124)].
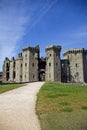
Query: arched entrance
[(42, 75), (42, 67)]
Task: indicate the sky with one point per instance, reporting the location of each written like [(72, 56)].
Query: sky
[(41, 22)]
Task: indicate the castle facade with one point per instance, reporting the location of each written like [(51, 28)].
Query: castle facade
[(29, 67)]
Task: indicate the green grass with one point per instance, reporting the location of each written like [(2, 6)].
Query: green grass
[(62, 107), (7, 87), (84, 107), (64, 103)]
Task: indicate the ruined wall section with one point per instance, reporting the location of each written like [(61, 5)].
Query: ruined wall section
[(6, 71), (53, 63)]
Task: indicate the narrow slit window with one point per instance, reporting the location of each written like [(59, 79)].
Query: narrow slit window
[(49, 64)]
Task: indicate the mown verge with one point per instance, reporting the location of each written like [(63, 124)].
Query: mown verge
[(7, 87), (62, 107)]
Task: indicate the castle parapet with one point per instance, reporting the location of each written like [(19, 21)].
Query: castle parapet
[(53, 47), (36, 48), (76, 50), (13, 59)]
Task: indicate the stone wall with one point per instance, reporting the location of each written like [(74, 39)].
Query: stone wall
[(75, 57), (6, 70)]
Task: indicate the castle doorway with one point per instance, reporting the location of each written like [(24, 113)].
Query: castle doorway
[(42, 76), (42, 66)]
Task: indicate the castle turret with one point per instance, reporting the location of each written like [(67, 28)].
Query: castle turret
[(53, 63)]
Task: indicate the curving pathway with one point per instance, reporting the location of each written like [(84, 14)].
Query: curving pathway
[(17, 108)]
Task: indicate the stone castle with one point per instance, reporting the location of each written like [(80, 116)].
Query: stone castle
[(29, 67)]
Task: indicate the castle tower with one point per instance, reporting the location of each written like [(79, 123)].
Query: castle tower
[(77, 64), (53, 63), (30, 64), (19, 68), (12, 70)]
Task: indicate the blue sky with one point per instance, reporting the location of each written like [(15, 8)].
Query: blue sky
[(43, 22)]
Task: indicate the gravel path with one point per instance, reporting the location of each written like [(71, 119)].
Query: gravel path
[(17, 108)]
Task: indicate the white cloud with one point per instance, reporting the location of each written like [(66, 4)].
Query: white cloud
[(15, 15), (40, 9), (12, 29)]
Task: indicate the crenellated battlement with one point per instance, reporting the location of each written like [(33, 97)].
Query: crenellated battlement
[(75, 51), (13, 59), (20, 55), (36, 48)]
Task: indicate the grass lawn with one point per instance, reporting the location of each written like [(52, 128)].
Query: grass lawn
[(7, 87), (62, 107)]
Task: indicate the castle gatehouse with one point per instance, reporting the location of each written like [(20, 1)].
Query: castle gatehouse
[(29, 67)]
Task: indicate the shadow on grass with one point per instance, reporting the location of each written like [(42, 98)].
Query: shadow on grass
[(84, 107), (56, 95)]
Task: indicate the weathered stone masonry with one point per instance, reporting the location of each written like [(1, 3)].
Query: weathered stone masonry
[(29, 67), (77, 59), (53, 63)]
